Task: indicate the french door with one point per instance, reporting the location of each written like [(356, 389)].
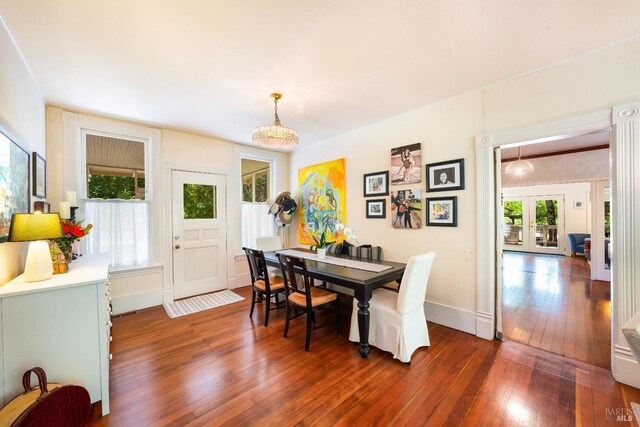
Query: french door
[(199, 233), (534, 224)]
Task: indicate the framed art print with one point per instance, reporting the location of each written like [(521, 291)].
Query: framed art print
[(406, 164), (14, 182), (39, 175), (445, 176), (377, 208), (442, 211), (376, 184), (406, 208)]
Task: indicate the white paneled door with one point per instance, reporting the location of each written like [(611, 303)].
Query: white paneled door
[(534, 224), (199, 233)]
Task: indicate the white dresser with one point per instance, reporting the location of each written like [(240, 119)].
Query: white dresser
[(62, 325)]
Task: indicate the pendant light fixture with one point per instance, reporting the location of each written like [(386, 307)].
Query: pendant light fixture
[(519, 167), (275, 135)]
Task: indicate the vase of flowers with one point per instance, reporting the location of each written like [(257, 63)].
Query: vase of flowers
[(73, 232)]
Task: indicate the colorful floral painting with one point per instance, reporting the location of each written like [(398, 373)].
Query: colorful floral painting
[(14, 183), (322, 199)]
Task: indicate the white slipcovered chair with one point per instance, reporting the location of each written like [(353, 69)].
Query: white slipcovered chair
[(397, 321), (269, 243)]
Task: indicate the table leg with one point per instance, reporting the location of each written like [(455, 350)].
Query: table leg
[(363, 327)]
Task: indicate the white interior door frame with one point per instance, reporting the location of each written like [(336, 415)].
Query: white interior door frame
[(625, 219), (598, 247)]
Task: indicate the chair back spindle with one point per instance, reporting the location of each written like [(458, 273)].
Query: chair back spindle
[(289, 264)]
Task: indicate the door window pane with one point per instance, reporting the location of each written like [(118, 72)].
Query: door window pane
[(199, 201), (547, 223), (513, 222)]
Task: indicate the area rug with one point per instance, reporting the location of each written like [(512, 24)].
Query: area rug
[(200, 303)]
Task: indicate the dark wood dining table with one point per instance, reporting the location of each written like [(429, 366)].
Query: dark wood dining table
[(361, 281)]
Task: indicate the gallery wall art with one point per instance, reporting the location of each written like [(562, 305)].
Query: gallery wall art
[(406, 164), (14, 182), (445, 176), (322, 200), (406, 208), (376, 184), (442, 211)]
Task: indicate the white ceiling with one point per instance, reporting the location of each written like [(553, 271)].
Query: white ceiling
[(209, 66)]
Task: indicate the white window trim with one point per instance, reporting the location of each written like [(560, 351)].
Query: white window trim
[(76, 126), (278, 182)]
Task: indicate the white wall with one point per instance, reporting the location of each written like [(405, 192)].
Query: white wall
[(22, 115), (177, 150), (576, 167), (575, 220), (447, 130)]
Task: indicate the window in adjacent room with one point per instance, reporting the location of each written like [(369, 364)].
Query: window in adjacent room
[(116, 202), (256, 190)]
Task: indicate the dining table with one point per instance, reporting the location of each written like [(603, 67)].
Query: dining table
[(362, 282)]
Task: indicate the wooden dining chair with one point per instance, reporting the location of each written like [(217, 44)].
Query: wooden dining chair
[(306, 298), (264, 284)]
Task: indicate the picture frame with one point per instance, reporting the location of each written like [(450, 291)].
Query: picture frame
[(406, 164), (377, 208), (406, 208), (442, 211), (42, 207), (14, 181), (376, 184), (39, 171), (445, 176)]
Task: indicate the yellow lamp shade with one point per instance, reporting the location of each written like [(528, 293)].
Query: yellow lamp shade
[(37, 226)]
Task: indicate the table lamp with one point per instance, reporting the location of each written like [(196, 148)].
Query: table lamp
[(36, 228)]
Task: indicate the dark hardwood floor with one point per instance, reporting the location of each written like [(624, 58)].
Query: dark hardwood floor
[(550, 302), (219, 367)]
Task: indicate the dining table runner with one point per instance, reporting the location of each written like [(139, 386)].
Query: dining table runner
[(344, 262)]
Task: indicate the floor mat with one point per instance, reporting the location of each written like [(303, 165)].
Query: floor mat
[(200, 303)]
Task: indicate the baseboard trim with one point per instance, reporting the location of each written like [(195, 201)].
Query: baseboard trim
[(167, 294), (138, 301), (452, 317), (484, 326), (626, 368), (238, 281)]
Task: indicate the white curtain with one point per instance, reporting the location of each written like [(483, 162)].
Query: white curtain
[(256, 222), (121, 228)]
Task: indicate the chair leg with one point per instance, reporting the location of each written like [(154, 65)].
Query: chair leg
[(277, 296), (253, 302), (313, 317), (308, 340), (338, 324), (286, 322), (266, 313)]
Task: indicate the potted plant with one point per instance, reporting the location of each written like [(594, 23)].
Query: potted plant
[(321, 245)]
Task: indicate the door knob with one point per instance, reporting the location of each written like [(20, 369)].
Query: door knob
[(177, 246)]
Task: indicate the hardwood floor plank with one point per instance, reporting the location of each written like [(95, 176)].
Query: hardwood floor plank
[(219, 367), (549, 302)]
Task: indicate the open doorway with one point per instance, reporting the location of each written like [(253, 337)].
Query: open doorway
[(556, 293)]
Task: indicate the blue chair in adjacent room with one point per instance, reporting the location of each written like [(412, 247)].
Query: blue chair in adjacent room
[(576, 241)]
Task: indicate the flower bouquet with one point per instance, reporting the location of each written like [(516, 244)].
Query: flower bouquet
[(73, 231)]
